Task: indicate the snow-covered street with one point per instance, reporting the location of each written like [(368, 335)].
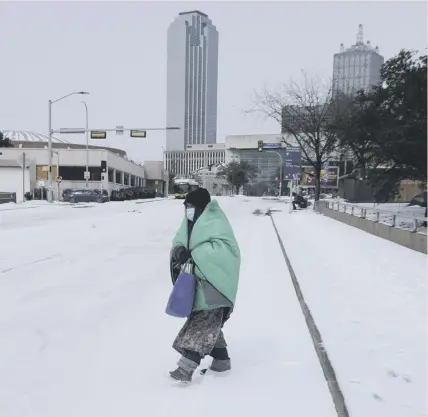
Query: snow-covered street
[(83, 330)]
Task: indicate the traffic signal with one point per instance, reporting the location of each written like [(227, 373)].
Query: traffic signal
[(103, 166), (138, 133), (98, 134), (260, 146)]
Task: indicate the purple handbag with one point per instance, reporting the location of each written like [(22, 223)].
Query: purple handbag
[(180, 303)]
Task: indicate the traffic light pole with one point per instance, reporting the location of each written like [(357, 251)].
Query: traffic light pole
[(136, 129)]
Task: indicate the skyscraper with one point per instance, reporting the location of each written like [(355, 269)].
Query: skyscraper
[(192, 73), (356, 68)]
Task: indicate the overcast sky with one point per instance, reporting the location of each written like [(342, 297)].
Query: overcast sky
[(117, 52)]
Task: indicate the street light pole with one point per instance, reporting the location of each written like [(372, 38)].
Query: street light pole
[(87, 145), (49, 196), (163, 157), (50, 139)]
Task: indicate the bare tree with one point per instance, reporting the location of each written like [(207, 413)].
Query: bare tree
[(304, 113)]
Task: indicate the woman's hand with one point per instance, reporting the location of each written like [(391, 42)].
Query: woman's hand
[(180, 254)]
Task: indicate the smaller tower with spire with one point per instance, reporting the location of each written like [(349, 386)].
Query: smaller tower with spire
[(357, 67), (360, 36)]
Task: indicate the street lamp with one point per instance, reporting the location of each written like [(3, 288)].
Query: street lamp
[(50, 139), (87, 145)]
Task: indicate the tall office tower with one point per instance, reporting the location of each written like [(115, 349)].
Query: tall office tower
[(356, 68), (192, 73)]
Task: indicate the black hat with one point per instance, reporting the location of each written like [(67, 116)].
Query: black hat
[(199, 198)]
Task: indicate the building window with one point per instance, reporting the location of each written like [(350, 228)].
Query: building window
[(73, 173), (118, 178), (110, 175), (95, 173)]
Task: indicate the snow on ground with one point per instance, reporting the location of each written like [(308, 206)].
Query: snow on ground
[(368, 298), (84, 333)]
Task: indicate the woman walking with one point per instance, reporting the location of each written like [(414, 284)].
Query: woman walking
[(205, 239)]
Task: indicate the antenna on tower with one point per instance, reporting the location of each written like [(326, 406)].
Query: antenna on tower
[(342, 47), (360, 34)]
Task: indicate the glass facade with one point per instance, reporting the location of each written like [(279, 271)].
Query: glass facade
[(268, 165)]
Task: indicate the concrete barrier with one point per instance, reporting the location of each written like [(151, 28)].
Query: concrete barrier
[(407, 238)]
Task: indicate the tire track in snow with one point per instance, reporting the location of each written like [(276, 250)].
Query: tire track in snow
[(37, 261), (327, 367)]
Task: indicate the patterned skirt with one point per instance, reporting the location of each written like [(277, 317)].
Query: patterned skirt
[(202, 332)]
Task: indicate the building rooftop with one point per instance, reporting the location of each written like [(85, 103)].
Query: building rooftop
[(359, 45), (25, 136), (33, 140), (194, 12)]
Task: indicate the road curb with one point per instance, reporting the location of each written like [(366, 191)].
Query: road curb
[(327, 367)]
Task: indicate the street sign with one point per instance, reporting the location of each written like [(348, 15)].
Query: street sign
[(119, 130), (87, 175), (58, 180), (72, 130), (98, 134), (293, 160), (271, 146), (138, 133)]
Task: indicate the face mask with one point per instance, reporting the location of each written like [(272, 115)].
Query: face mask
[(190, 213)]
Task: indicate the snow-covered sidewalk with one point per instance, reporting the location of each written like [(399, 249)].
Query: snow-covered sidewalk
[(368, 297), (83, 330)]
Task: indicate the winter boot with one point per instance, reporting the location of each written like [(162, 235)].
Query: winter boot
[(185, 370), (181, 375), (221, 365)]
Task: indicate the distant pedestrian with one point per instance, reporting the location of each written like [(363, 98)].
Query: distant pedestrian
[(206, 240), (300, 201)]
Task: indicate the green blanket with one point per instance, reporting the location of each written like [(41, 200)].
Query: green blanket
[(216, 255)]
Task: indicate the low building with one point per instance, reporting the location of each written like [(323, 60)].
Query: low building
[(268, 163), (184, 163), (155, 177), (15, 178), (109, 168)]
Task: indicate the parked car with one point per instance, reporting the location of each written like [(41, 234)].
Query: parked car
[(419, 200), (117, 195), (103, 192), (66, 194), (87, 196)]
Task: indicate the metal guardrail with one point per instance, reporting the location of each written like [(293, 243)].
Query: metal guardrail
[(7, 198), (400, 220)]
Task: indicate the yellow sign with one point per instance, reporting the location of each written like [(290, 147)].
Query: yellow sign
[(138, 133), (98, 134)]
